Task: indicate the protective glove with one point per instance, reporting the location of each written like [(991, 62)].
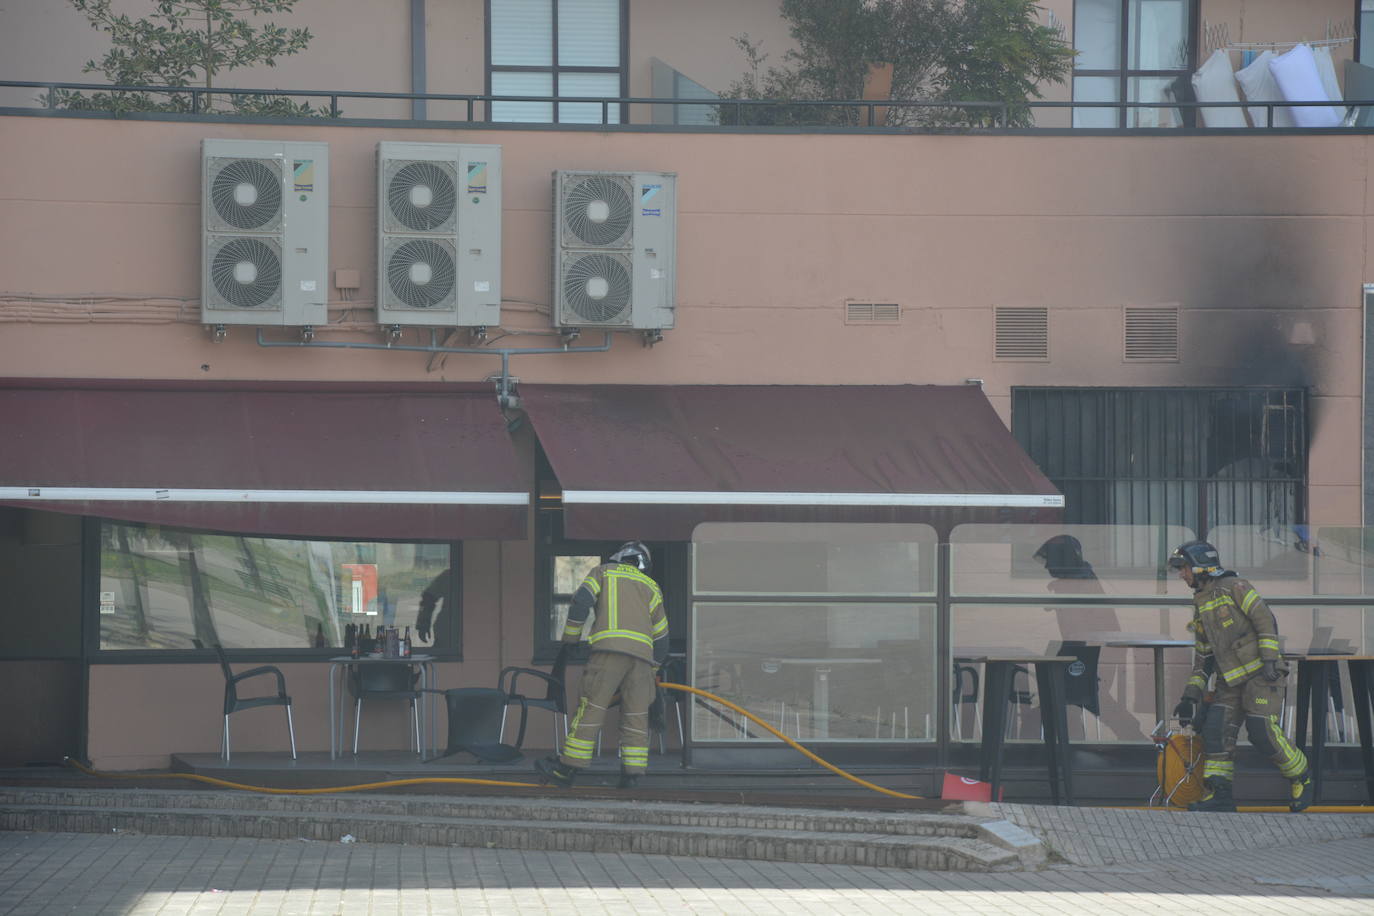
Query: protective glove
[(1185, 711), (1271, 671)]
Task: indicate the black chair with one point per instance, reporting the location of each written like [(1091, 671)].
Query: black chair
[(555, 698), (674, 671), (1081, 683), (963, 673), (476, 718), (233, 702), (384, 681)]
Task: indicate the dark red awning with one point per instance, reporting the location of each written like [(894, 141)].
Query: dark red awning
[(654, 461), (350, 461)]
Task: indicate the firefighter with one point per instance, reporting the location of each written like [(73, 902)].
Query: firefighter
[(1234, 634), (629, 642)]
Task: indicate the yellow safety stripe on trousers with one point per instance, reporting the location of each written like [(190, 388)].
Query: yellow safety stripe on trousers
[(1294, 760), (1240, 671), (1223, 768), (1269, 642), (1250, 598), (623, 634), (635, 756)]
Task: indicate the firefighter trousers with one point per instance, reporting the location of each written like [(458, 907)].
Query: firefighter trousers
[(606, 674), (1257, 703)]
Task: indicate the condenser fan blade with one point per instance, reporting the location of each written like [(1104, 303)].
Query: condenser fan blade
[(246, 273), (597, 287), (246, 194), (421, 196), (421, 273), (597, 210)]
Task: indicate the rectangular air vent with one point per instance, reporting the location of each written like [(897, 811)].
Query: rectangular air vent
[(1151, 334), (1021, 333), (872, 313)]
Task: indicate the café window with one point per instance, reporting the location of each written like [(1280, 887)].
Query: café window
[(165, 588)]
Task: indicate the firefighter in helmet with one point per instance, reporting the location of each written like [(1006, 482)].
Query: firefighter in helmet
[(1234, 635), (629, 641)]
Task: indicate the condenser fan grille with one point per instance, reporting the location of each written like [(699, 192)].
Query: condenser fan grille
[(421, 274), (597, 210), (596, 287), (246, 274), (246, 193), (421, 196)]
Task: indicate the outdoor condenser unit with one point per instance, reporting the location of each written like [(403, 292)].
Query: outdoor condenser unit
[(438, 234), (264, 232), (615, 250)]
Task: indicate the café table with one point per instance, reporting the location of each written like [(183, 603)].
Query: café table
[(1315, 671), (998, 671), (336, 727), (1155, 642)]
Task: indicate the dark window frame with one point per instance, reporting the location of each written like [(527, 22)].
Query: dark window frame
[(555, 68), (1123, 74), (91, 629)]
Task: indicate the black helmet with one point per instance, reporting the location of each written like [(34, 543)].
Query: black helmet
[(634, 553), (1199, 556)]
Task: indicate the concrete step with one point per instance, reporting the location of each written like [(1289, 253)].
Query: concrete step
[(896, 840)]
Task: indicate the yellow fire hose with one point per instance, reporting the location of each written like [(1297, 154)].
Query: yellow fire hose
[(467, 781)]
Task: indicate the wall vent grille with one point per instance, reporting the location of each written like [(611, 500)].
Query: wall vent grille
[(1021, 333), (1151, 334), (872, 313)]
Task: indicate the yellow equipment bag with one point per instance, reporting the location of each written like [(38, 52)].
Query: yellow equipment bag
[(1179, 769)]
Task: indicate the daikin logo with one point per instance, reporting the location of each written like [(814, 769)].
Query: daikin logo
[(646, 194)]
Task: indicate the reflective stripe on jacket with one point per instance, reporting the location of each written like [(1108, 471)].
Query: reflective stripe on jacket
[(1233, 627), (629, 612)]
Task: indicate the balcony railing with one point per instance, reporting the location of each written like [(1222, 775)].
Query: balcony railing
[(896, 116)]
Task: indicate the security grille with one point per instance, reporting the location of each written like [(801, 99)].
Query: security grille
[(1021, 333), (872, 313)]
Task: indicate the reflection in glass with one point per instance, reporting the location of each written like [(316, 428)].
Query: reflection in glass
[(816, 672), (568, 573), (161, 588)]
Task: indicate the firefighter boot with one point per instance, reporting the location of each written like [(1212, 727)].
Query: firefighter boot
[(627, 780), (1302, 792), (1216, 797), (553, 771)]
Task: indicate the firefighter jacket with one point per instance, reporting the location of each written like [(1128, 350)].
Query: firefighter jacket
[(1234, 633), (629, 613)]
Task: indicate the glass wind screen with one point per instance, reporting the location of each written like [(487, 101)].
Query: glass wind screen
[(1065, 559), (813, 559), (588, 85), (843, 671), (537, 85), (1111, 695), (161, 588), (522, 33), (588, 33)]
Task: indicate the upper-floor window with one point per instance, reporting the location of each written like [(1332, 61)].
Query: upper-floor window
[(1132, 51), (550, 49)]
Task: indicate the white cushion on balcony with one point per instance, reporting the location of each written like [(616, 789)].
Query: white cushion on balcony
[(1215, 81), (1299, 81), (1259, 86), (1327, 68)]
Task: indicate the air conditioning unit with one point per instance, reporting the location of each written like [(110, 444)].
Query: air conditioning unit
[(615, 250), (438, 234), (265, 232)]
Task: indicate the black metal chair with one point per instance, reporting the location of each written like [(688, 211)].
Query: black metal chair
[(961, 696), (476, 718), (234, 703), (555, 698), (384, 681), (1081, 683)]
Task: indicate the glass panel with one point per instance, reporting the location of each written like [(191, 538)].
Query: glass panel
[(1277, 560), (1125, 640), (1158, 35), (521, 34), (1065, 559), (588, 85), (1097, 35), (696, 115), (1366, 35), (817, 559), (816, 672), (161, 588), (1151, 89), (568, 573), (1094, 89), (539, 85), (1344, 560), (588, 33)]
